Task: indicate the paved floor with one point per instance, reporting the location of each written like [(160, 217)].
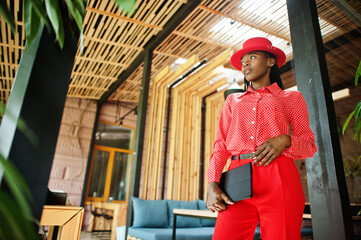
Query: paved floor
[(95, 236)]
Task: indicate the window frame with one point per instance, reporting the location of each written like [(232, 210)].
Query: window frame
[(109, 172)]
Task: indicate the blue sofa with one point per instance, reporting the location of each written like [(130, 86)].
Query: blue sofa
[(153, 220)]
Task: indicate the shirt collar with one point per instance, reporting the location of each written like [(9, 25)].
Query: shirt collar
[(273, 88)]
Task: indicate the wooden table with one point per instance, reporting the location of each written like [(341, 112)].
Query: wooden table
[(68, 218), (205, 214)]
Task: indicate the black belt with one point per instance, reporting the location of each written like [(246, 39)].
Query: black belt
[(242, 156)]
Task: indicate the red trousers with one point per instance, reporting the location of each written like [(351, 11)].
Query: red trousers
[(277, 203)]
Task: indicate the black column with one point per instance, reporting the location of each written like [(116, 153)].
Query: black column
[(90, 156), (329, 199), (38, 98), (139, 135)]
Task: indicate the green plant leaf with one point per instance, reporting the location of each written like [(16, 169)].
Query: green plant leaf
[(358, 73), (53, 10), (126, 5), (39, 9), (80, 5), (75, 13), (357, 132), (2, 109), (16, 224), (357, 118), (347, 121), (7, 15), (17, 186), (31, 22)]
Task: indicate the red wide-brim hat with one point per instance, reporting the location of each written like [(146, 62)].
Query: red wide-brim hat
[(257, 44)]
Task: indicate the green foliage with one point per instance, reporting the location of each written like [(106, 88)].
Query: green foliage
[(14, 208), (352, 167), (54, 14), (36, 11), (15, 205), (126, 5), (355, 113), (31, 23), (7, 15), (358, 73)]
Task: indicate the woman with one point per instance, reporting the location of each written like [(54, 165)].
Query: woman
[(258, 122)]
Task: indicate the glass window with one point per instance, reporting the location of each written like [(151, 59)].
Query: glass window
[(99, 173), (118, 188), (112, 157)]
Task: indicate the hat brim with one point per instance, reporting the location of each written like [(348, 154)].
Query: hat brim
[(279, 54)]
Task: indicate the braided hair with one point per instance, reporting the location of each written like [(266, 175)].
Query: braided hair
[(275, 74)]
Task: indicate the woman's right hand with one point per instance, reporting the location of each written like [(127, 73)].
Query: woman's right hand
[(217, 198)]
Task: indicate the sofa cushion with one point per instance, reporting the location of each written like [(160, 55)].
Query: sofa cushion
[(204, 233), (183, 222), (150, 213), (205, 222)]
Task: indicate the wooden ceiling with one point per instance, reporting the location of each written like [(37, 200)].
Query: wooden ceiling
[(113, 39)]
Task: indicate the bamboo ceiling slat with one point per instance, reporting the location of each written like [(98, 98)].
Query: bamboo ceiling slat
[(112, 36), (200, 39), (244, 22), (113, 39), (122, 18), (167, 54), (11, 47), (107, 43)]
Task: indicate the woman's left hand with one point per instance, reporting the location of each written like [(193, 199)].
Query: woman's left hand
[(271, 149)]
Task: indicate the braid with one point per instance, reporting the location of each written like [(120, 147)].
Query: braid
[(275, 74)]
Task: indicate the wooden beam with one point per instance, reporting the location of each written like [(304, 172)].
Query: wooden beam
[(112, 43), (100, 61), (201, 39), (348, 10), (131, 20)]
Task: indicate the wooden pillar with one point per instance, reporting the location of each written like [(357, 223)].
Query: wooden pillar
[(330, 209), (139, 135), (38, 98)]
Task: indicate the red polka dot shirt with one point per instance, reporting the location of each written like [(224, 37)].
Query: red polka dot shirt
[(248, 119)]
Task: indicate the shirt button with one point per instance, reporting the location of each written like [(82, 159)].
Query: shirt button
[(252, 122), (254, 109), (252, 137)]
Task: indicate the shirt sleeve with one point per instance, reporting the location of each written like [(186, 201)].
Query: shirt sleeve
[(220, 153), (303, 140)]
